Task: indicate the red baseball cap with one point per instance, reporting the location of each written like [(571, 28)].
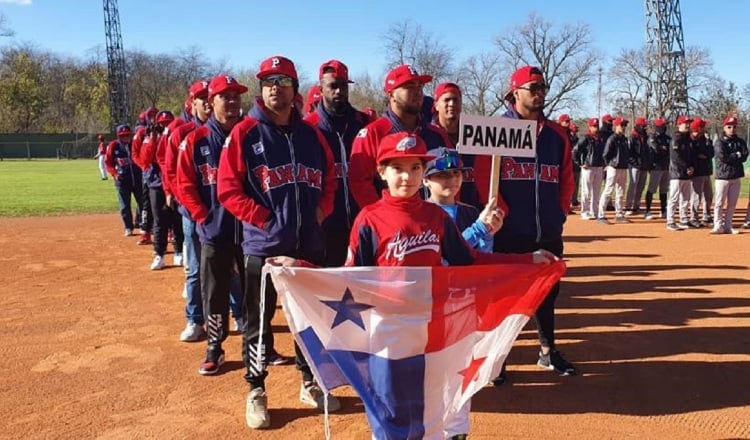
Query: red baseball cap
[(660, 122), (123, 130), (164, 118), (222, 83), (336, 68), (607, 118), (277, 65), (730, 120), (198, 88), (521, 76), (446, 87), (313, 97), (620, 121), (682, 119), (563, 118), (641, 122), (401, 75), (697, 124), (402, 144), (573, 127), (593, 122)]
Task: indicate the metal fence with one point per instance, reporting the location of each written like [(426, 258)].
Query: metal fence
[(48, 146)]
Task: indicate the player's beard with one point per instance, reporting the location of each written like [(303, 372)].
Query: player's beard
[(535, 108)]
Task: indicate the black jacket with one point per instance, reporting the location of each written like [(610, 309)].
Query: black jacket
[(680, 157), (730, 153)]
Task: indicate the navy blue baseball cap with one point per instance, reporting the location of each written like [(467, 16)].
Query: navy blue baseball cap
[(446, 159)]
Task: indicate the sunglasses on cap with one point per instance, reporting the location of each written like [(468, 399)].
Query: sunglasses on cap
[(277, 80), (536, 88), (447, 162)]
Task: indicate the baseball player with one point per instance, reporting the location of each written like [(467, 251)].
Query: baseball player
[(127, 176), (658, 176), (101, 153)]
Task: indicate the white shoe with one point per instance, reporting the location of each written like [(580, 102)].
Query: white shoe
[(312, 395), (158, 263), (128, 232), (184, 292), (239, 325), (193, 332), (177, 259), (256, 409)]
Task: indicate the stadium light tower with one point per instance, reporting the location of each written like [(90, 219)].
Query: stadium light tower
[(666, 47), (116, 73)]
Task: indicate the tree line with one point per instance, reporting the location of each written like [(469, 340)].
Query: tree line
[(43, 92)]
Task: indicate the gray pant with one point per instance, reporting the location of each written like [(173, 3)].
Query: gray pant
[(636, 186), (679, 192), (726, 191), (616, 179), (591, 188), (702, 194), (658, 179)]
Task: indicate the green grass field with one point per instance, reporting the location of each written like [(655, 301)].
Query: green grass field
[(53, 187)]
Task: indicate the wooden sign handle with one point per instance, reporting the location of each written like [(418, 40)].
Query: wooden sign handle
[(494, 177)]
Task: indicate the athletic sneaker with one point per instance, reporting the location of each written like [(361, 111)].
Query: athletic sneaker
[(628, 212), (239, 325), (214, 361), (718, 232), (311, 394), (746, 225), (673, 227), (554, 361), (622, 219), (683, 225), (585, 216), (695, 224), (274, 358), (145, 239), (192, 333), (128, 232), (158, 263), (603, 221), (256, 409), (648, 215), (177, 259)]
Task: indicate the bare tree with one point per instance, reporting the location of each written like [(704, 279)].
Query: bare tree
[(565, 54), (482, 79), (408, 43), (631, 82), (367, 92)]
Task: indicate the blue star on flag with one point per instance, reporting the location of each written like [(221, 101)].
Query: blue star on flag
[(348, 310)]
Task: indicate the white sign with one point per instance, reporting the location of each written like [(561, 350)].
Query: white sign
[(492, 135)]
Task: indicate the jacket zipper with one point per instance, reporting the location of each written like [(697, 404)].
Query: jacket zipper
[(345, 172), (296, 186)]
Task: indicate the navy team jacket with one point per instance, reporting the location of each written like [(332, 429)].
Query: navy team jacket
[(197, 168), (274, 179), (340, 133)]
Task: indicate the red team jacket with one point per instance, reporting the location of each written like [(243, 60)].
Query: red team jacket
[(395, 231)]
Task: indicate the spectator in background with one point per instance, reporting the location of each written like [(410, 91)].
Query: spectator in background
[(313, 98)]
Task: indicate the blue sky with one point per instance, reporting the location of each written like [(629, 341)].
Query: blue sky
[(244, 32)]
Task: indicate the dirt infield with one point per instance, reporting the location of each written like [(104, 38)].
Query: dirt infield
[(658, 323)]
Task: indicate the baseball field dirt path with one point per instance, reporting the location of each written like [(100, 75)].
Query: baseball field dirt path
[(657, 322)]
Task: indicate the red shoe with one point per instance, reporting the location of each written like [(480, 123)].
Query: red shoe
[(145, 239)]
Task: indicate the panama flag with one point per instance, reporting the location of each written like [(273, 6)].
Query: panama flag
[(415, 343)]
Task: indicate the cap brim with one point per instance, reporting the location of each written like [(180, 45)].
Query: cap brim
[(436, 171), (426, 157)]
